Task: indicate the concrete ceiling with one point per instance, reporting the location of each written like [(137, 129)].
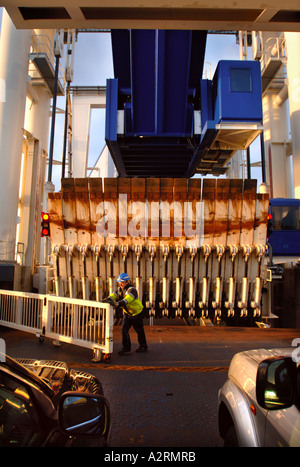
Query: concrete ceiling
[(232, 15)]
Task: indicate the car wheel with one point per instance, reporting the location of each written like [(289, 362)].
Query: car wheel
[(231, 439)]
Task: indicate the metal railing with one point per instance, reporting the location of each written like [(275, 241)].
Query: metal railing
[(84, 323), (42, 45), (274, 48)]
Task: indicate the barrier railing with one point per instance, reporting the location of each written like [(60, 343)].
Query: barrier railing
[(84, 323)]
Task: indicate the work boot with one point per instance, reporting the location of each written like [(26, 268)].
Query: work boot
[(141, 349), (123, 352)]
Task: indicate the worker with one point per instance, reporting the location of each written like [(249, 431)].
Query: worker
[(126, 298)]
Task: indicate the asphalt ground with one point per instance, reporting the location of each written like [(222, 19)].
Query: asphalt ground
[(168, 396)]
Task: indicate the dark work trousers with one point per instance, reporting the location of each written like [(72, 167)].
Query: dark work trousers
[(137, 323)]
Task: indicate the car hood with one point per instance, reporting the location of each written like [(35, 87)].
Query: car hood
[(243, 366), (61, 378), (258, 355), (252, 358)]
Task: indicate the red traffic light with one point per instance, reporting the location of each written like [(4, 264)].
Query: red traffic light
[(45, 225), (269, 225)]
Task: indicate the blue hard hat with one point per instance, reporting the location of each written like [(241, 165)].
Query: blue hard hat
[(123, 277)]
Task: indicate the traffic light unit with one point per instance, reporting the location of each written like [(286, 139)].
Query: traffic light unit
[(45, 225), (270, 225)]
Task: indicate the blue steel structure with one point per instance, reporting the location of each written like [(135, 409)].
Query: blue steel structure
[(158, 94), (285, 235)]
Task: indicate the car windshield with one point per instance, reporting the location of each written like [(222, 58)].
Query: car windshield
[(285, 217), (10, 363), (19, 424)]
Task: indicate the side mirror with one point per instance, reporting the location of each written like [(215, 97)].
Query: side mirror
[(85, 414), (276, 383)]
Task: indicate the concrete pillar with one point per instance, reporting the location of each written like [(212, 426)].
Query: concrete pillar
[(36, 124), (275, 137), (293, 72), (14, 49)]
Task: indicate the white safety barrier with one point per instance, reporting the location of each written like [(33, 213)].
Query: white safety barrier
[(84, 323)]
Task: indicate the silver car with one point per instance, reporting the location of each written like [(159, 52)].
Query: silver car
[(259, 404)]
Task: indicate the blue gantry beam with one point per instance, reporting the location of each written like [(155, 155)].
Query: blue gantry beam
[(163, 119)]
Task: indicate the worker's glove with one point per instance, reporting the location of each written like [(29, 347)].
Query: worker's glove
[(109, 300)]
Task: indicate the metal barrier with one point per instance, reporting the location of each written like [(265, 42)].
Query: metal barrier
[(84, 323)]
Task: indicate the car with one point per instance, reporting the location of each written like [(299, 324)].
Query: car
[(45, 403), (259, 404)]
